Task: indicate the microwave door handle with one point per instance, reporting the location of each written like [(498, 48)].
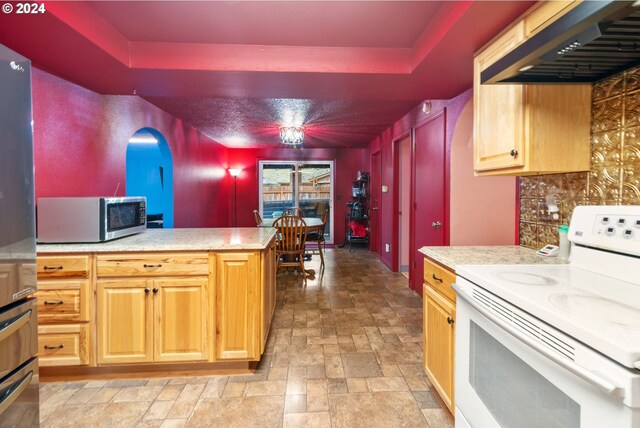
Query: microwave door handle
[(574, 368)]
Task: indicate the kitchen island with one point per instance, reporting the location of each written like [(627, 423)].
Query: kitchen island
[(439, 302), (163, 302)]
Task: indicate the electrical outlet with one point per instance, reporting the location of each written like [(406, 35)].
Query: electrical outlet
[(387, 247)]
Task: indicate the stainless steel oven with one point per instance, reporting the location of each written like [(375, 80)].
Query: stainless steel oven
[(90, 219)]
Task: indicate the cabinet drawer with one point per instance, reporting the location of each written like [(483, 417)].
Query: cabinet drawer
[(63, 267), (63, 301), (63, 345), (152, 264), (440, 279)]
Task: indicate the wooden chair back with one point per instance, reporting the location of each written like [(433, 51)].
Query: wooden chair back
[(294, 211), (291, 235), (256, 215)]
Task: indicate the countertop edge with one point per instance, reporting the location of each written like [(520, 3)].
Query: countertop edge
[(90, 248)]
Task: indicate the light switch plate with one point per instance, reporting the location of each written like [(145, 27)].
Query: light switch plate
[(385, 189), (387, 248)]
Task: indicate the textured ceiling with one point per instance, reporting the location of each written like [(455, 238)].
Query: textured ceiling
[(236, 70)]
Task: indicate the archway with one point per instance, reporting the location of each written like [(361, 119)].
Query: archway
[(150, 174)]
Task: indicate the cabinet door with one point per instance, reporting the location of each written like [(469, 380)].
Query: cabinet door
[(180, 319), (499, 111), (268, 291), (238, 308), (439, 343), (125, 322)]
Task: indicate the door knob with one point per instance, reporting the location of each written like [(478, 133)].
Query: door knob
[(436, 225)]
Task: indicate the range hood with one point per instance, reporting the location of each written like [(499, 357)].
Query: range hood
[(590, 42)]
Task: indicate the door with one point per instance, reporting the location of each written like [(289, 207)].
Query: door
[(237, 306), (305, 185), (428, 222), (125, 321), (439, 328), (180, 319), (374, 213)]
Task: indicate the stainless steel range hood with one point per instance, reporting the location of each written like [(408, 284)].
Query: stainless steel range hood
[(590, 42)]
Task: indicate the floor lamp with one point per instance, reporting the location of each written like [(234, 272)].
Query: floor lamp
[(235, 172)]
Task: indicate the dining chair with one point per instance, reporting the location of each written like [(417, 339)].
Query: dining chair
[(318, 237), (256, 215), (294, 211), (291, 236)]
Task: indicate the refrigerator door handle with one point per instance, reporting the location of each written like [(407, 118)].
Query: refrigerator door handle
[(14, 391), (8, 327)]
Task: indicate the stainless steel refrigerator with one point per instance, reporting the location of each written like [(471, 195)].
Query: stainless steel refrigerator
[(18, 318)]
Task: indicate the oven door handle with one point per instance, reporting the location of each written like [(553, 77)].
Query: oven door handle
[(581, 372)]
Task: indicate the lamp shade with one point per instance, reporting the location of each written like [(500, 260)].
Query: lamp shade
[(235, 172)]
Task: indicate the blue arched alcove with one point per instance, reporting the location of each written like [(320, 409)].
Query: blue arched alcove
[(150, 172)]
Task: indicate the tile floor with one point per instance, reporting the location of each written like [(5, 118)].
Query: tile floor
[(344, 351)]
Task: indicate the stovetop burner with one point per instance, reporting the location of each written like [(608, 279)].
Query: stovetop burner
[(599, 309), (525, 278)]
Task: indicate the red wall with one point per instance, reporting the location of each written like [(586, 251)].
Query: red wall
[(347, 163), (80, 142), (383, 143)]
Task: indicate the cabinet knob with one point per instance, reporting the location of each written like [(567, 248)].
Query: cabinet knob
[(147, 291), (155, 291), (513, 153), (450, 320)]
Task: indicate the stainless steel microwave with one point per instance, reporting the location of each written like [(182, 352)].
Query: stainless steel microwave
[(93, 219)]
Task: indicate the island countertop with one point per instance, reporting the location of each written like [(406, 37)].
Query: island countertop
[(197, 239), (451, 257)]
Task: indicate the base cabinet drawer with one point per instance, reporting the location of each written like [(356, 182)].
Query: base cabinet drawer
[(118, 265), (60, 301), (63, 267), (63, 345), (440, 279)]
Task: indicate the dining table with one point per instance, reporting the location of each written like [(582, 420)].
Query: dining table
[(314, 224)]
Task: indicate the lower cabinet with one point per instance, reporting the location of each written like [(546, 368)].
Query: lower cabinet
[(238, 309), (147, 320), (268, 291), (440, 338)]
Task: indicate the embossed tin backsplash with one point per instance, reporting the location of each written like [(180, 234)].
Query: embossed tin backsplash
[(614, 178)]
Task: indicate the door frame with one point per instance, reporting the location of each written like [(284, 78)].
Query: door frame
[(395, 224), (375, 243), (296, 164)]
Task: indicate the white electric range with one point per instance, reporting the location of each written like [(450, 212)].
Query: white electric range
[(554, 345)]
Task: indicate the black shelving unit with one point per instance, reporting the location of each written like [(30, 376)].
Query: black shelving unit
[(358, 211)]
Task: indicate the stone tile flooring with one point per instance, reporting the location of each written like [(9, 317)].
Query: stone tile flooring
[(344, 351)]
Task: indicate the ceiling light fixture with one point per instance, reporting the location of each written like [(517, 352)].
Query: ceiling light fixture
[(292, 135), (143, 139), (525, 68)]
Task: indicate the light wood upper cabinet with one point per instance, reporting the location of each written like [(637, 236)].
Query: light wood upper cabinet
[(125, 321), (180, 319), (528, 129), (439, 330), (238, 306)]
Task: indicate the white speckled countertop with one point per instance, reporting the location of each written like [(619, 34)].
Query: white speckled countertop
[(489, 255), (236, 238)]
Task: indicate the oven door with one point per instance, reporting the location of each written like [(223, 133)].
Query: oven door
[(504, 381)]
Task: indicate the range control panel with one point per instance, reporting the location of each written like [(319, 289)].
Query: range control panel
[(624, 227), (615, 228)]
